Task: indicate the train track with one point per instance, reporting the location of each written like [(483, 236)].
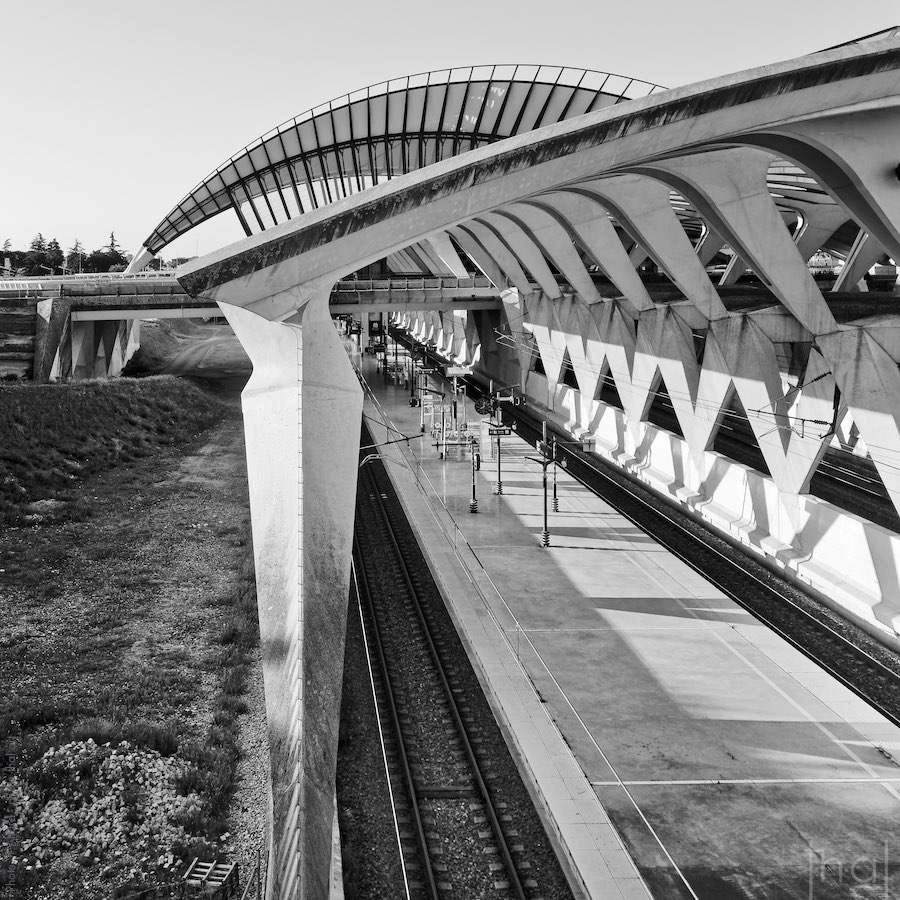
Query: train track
[(457, 815), (846, 652)]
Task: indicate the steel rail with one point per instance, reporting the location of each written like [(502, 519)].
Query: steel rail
[(382, 739), (365, 596), (515, 883)]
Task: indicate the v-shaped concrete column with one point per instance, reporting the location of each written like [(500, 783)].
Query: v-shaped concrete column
[(525, 249), (821, 223), (854, 157), (497, 251), (729, 189), (302, 409), (643, 208), (616, 332), (864, 253), (571, 315), (442, 246), (666, 340), (520, 339), (556, 245), (550, 340), (751, 360), (870, 386)]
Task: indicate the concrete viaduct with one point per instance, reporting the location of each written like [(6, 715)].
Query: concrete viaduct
[(90, 327), (556, 186)]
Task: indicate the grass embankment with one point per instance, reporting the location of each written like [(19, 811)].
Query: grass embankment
[(54, 436), (127, 624)]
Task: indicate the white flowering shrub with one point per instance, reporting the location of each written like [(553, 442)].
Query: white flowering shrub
[(96, 802)]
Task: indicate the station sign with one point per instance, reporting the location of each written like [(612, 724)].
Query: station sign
[(458, 370), (499, 432)]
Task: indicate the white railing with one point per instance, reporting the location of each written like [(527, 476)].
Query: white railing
[(53, 280), (434, 283)]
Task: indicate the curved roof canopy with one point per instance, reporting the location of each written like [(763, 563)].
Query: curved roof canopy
[(388, 129)]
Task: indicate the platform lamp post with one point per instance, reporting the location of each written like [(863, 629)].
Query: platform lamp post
[(473, 503), (555, 504), (490, 405), (499, 490), (545, 460)]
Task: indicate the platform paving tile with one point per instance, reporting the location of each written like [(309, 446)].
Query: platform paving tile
[(717, 754)]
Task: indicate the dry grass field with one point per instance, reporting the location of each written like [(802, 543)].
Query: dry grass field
[(128, 636)]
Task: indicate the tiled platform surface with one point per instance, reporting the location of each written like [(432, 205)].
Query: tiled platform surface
[(665, 731)]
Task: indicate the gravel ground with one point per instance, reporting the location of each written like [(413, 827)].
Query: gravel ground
[(248, 816)]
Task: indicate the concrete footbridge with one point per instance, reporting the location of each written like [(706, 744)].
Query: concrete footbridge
[(598, 232)]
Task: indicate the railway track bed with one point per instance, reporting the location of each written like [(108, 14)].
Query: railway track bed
[(463, 823)]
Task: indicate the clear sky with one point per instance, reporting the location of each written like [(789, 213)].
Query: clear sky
[(113, 111)]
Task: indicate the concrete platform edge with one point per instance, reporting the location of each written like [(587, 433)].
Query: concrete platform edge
[(446, 565)]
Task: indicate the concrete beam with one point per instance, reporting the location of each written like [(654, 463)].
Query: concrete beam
[(145, 312)]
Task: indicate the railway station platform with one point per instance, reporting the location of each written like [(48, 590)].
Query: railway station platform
[(676, 747)]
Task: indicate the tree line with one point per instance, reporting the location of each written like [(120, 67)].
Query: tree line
[(48, 258)]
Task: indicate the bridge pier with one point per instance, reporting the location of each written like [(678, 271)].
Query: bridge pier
[(101, 348), (302, 410)]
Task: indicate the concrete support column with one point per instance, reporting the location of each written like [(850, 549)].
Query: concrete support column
[(589, 224), (473, 234), (644, 209), (854, 157), (514, 311), (863, 255), (870, 387), (821, 223), (551, 341), (572, 315), (444, 249), (84, 349), (556, 244), (733, 271), (302, 409), (637, 255), (729, 189), (429, 259), (51, 328), (708, 246), (482, 259), (472, 339), (525, 249)]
